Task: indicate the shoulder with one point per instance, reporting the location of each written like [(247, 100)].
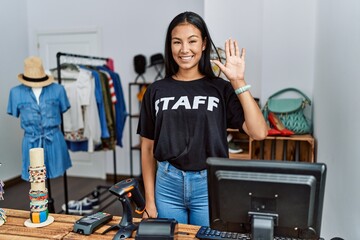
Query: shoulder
[(19, 89), (219, 83), (55, 86)]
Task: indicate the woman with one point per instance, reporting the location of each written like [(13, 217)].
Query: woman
[(184, 118)]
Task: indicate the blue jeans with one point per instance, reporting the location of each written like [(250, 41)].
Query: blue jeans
[(182, 195)]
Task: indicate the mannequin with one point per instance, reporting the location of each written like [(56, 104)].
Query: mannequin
[(39, 102)]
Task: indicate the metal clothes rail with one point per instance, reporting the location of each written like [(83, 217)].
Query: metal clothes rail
[(58, 61)]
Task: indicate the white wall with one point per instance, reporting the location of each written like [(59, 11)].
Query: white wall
[(336, 97), (240, 20), (288, 46), (13, 51), (278, 36)]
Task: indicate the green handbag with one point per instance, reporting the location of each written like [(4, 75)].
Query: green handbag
[(290, 111)]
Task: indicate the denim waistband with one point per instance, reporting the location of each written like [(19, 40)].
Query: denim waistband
[(167, 167)]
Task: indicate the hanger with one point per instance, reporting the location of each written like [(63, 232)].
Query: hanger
[(71, 67)]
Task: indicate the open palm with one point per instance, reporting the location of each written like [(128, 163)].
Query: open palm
[(234, 68)]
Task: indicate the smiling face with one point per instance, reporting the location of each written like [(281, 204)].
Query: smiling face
[(187, 47)]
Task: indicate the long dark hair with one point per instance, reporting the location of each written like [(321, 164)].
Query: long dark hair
[(171, 67)]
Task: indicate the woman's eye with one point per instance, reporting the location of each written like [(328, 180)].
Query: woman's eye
[(176, 42)]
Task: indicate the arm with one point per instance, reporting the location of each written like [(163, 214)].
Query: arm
[(234, 69), (148, 163)]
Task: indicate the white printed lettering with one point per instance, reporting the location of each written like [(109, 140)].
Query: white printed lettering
[(157, 106), (213, 102), (198, 100), (183, 101), (166, 102)]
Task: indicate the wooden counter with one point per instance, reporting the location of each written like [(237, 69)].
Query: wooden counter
[(62, 227)]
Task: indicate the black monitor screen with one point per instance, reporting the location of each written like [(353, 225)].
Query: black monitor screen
[(266, 198)]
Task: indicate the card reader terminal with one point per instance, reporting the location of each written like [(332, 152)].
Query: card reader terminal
[(88, 224)]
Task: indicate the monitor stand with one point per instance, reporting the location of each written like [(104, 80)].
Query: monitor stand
[(262, 225)]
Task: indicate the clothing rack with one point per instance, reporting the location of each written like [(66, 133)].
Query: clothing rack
[(97, 191)]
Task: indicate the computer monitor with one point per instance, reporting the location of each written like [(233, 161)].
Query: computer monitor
[(266, 198)]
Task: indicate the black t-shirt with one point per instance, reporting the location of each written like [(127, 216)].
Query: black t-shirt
[(188, 120)]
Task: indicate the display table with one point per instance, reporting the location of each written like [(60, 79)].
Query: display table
[(62, 228)]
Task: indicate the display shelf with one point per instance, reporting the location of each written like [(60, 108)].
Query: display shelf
[(134, 114), (243, 140), (299, 148)]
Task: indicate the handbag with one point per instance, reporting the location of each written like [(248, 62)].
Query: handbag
[(290, 111)]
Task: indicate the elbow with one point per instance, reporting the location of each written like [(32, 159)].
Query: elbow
[(260, 135), (259, 132)]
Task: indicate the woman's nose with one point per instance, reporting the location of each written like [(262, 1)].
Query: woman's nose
[(184, 48)]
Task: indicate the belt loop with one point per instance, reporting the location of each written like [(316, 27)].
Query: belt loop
[(166, 166), (203, 172)]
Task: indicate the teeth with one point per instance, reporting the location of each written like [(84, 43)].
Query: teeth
[(186, 58)]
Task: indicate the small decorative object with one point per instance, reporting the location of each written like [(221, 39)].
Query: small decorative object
[(2, 211), (217, 54), (140, 66), (2, 216), (1, 189), (141, 92), (290, 111), (157, 60), (38, 194)]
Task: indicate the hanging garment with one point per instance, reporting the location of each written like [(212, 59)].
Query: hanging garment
[(100, 102), (41, 126), (108, 143), (111, 86), (120, 106), (81, 122)]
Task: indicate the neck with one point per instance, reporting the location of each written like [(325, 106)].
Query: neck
[(187, 75)]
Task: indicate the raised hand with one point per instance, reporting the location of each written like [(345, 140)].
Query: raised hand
[(234, 68)]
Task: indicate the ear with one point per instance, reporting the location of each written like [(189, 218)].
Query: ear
[(204, 44)]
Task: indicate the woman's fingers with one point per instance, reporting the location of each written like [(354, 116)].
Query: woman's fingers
[(232, 48), (243, 53), (227, 48), (237, 51)]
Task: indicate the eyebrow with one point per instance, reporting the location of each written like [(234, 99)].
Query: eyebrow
[(188, 37)]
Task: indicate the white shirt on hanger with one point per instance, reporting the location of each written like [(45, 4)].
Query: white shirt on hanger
[(81, 93)]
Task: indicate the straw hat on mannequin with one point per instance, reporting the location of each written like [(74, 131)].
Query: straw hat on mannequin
[(34, 74)]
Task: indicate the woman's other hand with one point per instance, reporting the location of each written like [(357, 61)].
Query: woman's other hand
[(151, 212)]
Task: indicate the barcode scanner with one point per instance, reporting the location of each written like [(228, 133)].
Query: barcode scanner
[(130, 188), (127, 190)]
